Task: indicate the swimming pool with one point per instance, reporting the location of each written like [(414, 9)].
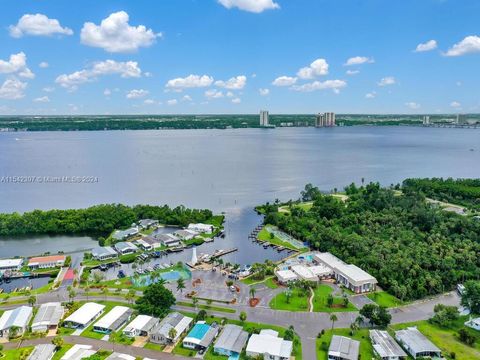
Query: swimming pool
[(199, 331)]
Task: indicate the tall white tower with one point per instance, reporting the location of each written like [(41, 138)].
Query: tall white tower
[(194, 256), (263, 118)]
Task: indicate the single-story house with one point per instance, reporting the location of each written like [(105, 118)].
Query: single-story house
[(19, 318), (161, 333), (142, 244), (351, 276), (78, 352), (113, 320), (417, 344), (231, 341), (48, 317), (42, 352), (124, 248), (11, 264), (169, 240), (46, 262), (285, 276), (120, 356), (84, 316), (473, 323), (201, 228), (268, 344), (385, 346), (142, 325), (304, 273), (343, 348), (125, 234), (147, 223), (201, 336), (104, 253), (185, 234)]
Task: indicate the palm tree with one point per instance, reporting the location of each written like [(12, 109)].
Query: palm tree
[(87, 290), (180, 285), (32, 300), (13, 331), (354, 327), (333, 318), (252, 292), (172, 333), (195, 301)]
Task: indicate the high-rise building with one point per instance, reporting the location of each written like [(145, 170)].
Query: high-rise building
[(264, 118), (461, 119), (426, 120), (325, 120)]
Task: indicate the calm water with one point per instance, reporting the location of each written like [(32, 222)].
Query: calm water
[(229, 171)]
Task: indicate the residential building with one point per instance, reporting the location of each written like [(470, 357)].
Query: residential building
[(268, 344), (343, 348), (17, 318), (120, 235), (161, 333), (417, 344), (84, 316), (46, 262), (264, 118), (147, 223), (124, 248), (104, 253), (231, 341), (201, 336), (473, 323), (385, 346), (142, 244), (285, 276), (168, 240), (11, 264), (114, 320), (48, 317), (201, 228), (142, 325), (325, 120), (185, 234), (42, 352), (348, 275), (78, 352), (120, 356)]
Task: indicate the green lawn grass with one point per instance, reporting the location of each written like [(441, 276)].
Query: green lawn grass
[(152, 346), (264, 235), (268, 282), (298, 301), (58, 355), (210, 355), (320, 301), (14, 354), (322, 344), (383, 298)]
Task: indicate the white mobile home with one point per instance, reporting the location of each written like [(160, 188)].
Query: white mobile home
[(84, 316), (142, 325), (113, 320), (17, 318), (417, 344), (269, 345), (48, 317)]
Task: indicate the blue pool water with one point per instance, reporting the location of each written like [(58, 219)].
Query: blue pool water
[(199, 331), (171, 275)]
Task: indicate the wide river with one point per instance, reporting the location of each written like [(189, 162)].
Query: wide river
[(227, 171)]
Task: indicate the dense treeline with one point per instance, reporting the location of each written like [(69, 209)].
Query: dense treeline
[(413, 249), (464, 192), (95, 221)]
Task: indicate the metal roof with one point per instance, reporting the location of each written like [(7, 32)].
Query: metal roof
[(17, 317), (385, 345), (415, 340), (42, 352), (85, 313), (114, 318), (174, 320), (344, 347), (232, 338), (48, 314)]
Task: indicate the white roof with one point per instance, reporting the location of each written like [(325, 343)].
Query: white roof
[(385, 345), (350, 271), (120, 356), (201, 227), (143, 243), (42, 352), (415, 340), (139, 323), (17, 317), (6, 263), (304, 272), (48, 314), (86, 313), (78, 352), (286, 275), (320, 270), (113, 315), (268, 343)]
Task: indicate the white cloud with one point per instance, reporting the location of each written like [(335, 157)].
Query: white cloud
[(470, 44), (264, 92), (389, 80), (412, 105), (317, 68), (234, 83), (426, 46), (126, 69), (236, 100), (16, 64), (38, 25), (255, 6), (284, 81), (335, 85), (149, 102), (187, 98), (371, 95), (213, 94), (114, 34), (352, 72), (48, 89), (43, 65), (148, 74), (172, 102), (191, 81), (137, 93), (358, 60), (229, 94), (12, 89), (107, 92), (455, 104), (43, 99)]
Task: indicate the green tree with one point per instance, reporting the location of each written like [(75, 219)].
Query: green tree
[(471, 296), (32, 300), (252, 292), (172, 333), (58, 342), (156, 301), (333, 318), (180, 284), (243, 316)]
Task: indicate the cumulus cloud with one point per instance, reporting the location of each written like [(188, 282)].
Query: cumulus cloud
[(335, 85), (284, 81), (114, 34), (358, 60), (42, 99), (255, 6), (234, 83), (128, 69), (389, 80), (48, 89), (137, 93), (16, 64), (371, 95), (229, 94), (12, 89), (264, 92), (412, 105), (352, 72), (149, 102), (187, 98), (213, 94), (172, 102), (107, 92), (191, 81), (426, 46), (455, 104), (43, 65), (470, 44), (38, 25), (317, 68), (236, 100)]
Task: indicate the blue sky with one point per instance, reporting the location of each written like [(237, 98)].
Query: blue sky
[(238, 56)]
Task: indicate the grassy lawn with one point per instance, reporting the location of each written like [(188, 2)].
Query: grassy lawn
[(322, 344), (152, 346), (320, 301), (58, 355), (383, 298), (14, 354), (180, 350), (210, 355), (264, 235), (207, 307), (446, 338), (297, 302), (268, 282)]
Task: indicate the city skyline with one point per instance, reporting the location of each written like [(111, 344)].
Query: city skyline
[(239, 56)]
